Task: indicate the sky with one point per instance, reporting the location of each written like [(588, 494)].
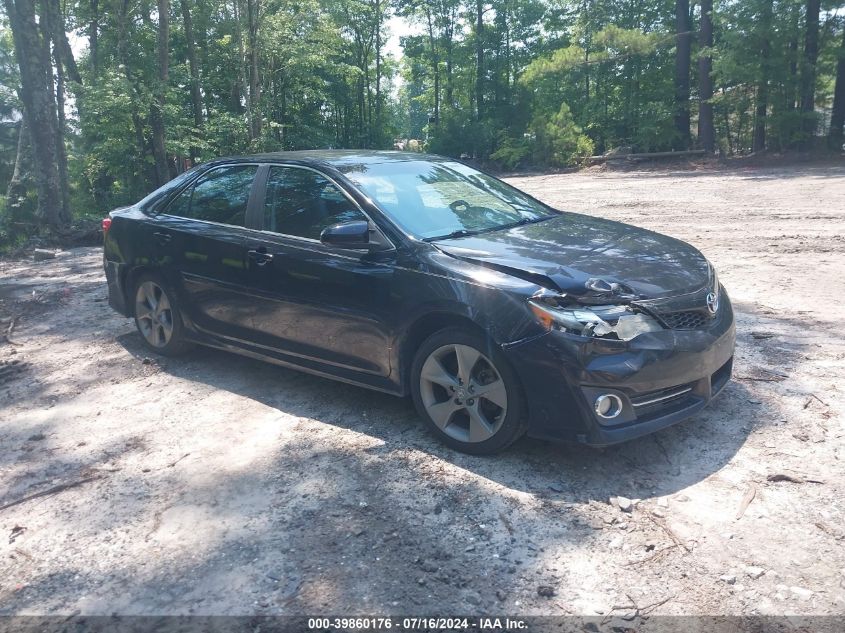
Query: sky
[(398, 27)]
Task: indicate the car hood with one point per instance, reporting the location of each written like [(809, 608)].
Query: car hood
[(572, 251)]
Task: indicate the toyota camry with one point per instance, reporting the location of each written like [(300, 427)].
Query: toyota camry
[(419, 275)]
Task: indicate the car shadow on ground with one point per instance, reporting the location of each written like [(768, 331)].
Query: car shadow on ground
[(393, 523), (381, 525), (656, 465)]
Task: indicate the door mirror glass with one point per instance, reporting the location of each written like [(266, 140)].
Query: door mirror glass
[(347, 234)]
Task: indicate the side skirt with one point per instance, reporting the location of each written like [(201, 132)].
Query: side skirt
[(367, 381)]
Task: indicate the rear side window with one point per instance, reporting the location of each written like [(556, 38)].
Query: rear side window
[(302, 203), (219, 196)]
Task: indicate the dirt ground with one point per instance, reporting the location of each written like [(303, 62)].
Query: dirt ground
[(215, 484)]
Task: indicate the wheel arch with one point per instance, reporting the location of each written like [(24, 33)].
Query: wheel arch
[(423, 327), (130, 278)]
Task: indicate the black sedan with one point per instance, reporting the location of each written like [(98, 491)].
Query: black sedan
[(419, 275)]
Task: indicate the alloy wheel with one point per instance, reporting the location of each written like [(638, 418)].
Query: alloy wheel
[(463, 393), (154, 314)]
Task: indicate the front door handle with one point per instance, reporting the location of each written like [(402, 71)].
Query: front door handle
[(260, 257), (163, 238)]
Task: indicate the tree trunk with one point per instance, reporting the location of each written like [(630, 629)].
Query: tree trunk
[(252, 8), (808, 72), (378, 71), (588, 40), (157, 108), (62, 127), (142, 175), (93, 39), (683, 40), (196, 95), (508, 52), (60, 41), (39, 109), (239, 83), (16, 191), (762, 98), (479, 60), (450, 84), (837, 115), (53, 33), (435, 65), (706, 130)]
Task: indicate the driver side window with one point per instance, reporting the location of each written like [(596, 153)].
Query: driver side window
[(302, 203)]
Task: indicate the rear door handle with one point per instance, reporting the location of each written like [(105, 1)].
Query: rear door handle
[(260, 257), (163, 238)]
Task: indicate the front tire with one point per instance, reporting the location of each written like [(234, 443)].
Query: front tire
[(467, 393), (157, 317)]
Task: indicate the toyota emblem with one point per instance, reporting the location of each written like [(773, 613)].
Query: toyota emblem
[(712, 302)]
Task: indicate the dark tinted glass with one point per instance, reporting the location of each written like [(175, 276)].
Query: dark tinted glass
[(158, 197), (301, 202), (219, 196)]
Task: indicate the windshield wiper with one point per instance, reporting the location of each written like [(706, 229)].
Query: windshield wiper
[(489, 229), (452, 235), (520, 222)]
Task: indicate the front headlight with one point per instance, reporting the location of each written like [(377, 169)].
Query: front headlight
[(609, 321)]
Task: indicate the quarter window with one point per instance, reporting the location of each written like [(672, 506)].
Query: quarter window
[(220, 196), (302, 203)]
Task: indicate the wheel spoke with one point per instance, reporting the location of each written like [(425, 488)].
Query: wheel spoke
[(149, 295), (163, 304), (467, 358), (441, 413), (434, 371), (143, 312), (494, 392), (479, 428)]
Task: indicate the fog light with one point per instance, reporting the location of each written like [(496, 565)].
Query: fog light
[(608, 406)]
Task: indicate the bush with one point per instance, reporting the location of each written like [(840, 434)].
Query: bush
[(513, 152), (458, 134), (559, 141)]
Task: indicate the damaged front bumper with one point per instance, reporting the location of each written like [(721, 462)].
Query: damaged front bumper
[(659, 378)]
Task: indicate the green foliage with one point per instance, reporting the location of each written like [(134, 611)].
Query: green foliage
[(513, 152), (559, 141), (540, 83)]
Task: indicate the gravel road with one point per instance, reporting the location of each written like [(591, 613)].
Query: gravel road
[(215, 484)]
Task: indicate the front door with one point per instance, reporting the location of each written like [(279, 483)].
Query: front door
[(315, 301)]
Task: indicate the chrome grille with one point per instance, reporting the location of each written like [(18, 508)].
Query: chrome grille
[(662, 397), (663, 402)]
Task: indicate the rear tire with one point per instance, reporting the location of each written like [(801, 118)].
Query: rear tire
[(157, 316), (467, 393)]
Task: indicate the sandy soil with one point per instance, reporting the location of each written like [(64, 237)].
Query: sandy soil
[(216, 484)]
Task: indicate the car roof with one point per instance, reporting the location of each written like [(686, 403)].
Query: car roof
[(341, 159)]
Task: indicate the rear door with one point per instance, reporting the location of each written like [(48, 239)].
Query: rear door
[(201, 242), (316, 301)]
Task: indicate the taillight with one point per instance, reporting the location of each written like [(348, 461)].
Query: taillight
[(106, 225)]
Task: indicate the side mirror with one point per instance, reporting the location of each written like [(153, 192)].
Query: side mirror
[(347, 235)]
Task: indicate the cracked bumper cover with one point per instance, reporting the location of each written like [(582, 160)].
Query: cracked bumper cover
[(661, 378)]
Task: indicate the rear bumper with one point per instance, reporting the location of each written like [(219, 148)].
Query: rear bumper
[(115, 280), (661, 378)]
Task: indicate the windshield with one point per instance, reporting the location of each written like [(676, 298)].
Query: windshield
[(433, 200)]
